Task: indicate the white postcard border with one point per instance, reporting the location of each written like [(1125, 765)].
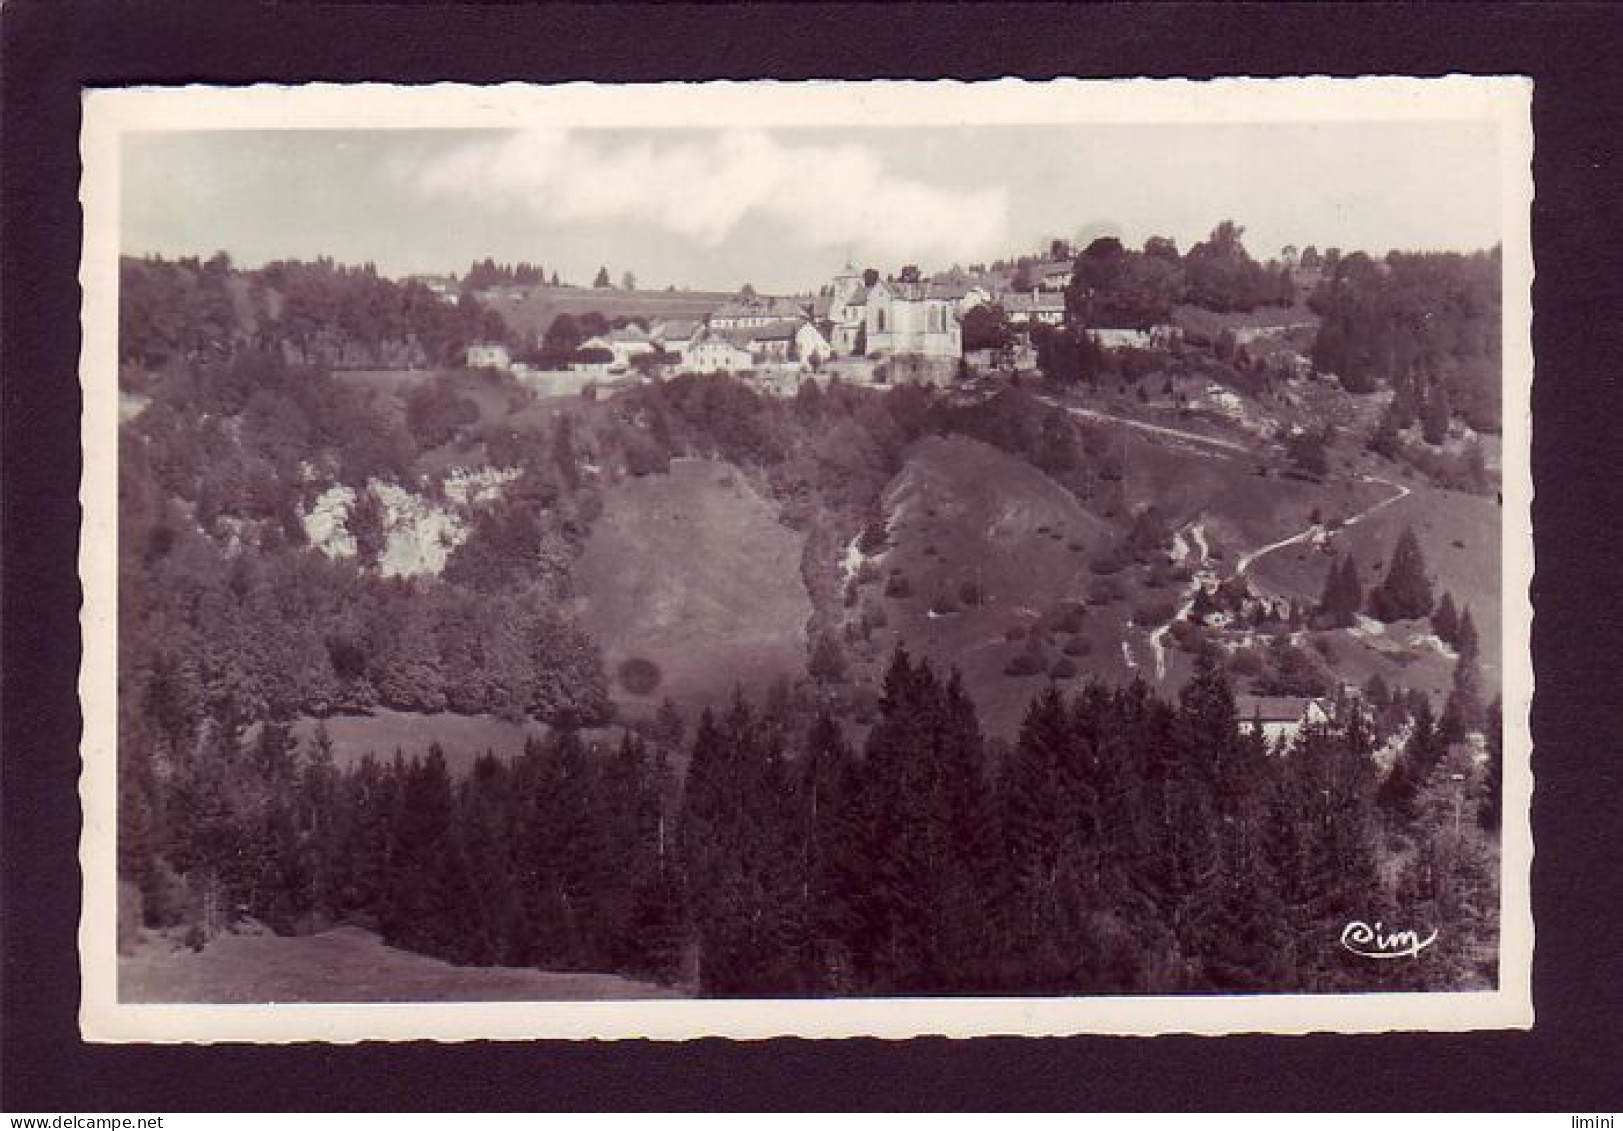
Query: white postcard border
[(1504, 102)]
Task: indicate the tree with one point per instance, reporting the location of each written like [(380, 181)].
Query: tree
[(1308, 452), (628, 281), (1435, 414), (602, 279), (1445, 621), (827, 660), (1405, 593), (909, 274), (1490, 811), (1465, 641), (986, 327), (1343, 596)]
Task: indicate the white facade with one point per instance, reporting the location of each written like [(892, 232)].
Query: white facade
[(712, 352), (909, 319), (489, 355)]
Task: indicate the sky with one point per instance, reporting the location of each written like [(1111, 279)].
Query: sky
[(784, 208)]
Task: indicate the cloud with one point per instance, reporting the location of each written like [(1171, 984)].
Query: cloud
[(825, 196)]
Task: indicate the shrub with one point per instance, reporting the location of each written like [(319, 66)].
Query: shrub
[(1069, 616), (898, 586), (972, 593), (943, 605), (1245, 663), (1025, 664), (639, 676), (1014, 632), (1152, 613), (1108, 562), (1188, 637), (1078, 646), (1104, 591), (1063, 669)]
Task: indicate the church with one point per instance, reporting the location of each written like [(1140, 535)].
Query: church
[(911, 326)]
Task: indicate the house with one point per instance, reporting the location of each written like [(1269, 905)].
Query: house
[(443, 287), (752, 311), (785, 342), (1052, 276), (1027, 309), (489, 355), (1279, 716), (714, 351), (674, 335)]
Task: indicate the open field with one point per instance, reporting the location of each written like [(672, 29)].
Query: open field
[(344, 964), (692, 571)]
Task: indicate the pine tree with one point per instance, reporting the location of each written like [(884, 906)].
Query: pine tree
[(1406, 591), (833, 863), (1412, 765), (1490, 811), (1445, 621), (1466, 642)]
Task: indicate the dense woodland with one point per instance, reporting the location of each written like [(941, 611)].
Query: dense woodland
[(1121, 844)]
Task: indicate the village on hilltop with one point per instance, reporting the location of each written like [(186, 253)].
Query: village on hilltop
[(866, 329)]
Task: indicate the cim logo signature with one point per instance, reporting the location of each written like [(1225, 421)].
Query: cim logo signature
[(1372, 942)]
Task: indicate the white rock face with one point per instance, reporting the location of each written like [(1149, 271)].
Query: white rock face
[(419, 535), (324, 522), (471, 486)]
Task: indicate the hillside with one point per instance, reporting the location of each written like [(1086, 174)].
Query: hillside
[(692, 571), (964, 514), (344, 964), (530, 315)]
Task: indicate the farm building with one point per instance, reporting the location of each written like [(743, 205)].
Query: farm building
[(1279, 716)]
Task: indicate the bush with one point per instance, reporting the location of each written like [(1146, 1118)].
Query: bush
[(1188, 637), (639, 676), (1025, 664), (1078, 646), (1108, 562), (943, 605), (1014, 632), (1063, 669), (1245, 663), (1104, 591), (971, 593), (898, 586), (1069, 617), (1153, 613)]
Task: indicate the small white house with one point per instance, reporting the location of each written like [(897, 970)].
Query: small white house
[(1279, 716), (711, 351), (489, 355)]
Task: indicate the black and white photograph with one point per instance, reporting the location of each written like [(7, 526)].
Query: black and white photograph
[(806, 558)]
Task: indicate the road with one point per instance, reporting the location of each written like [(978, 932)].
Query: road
[(1204, 577), (1155, 429)]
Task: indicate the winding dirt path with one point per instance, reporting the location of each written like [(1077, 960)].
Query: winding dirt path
[(1203, 577), (1144, 426)]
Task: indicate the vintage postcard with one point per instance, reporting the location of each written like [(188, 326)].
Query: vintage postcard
[(827, 558)]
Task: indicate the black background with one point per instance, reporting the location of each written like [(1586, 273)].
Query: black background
[(1569, 1062)]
